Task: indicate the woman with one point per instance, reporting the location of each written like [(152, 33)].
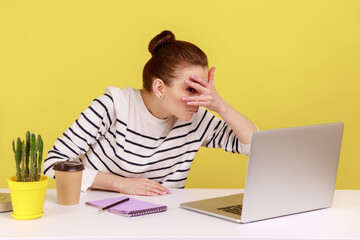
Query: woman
[(143, 142)]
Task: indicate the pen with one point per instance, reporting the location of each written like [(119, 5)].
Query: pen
[(114, 204)]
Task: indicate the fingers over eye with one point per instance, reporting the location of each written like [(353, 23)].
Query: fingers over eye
[(198, 80), (194, 77), (197, 98), (197, 103), (197, 86)]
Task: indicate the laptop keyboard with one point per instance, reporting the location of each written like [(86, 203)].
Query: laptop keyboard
[(236, 209)]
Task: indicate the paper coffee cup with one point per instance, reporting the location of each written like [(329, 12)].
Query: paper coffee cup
[(68, 176)]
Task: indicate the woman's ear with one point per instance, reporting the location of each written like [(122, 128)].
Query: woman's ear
[(158, 88)]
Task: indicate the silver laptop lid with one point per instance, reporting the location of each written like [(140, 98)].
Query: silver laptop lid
[(291, 170)]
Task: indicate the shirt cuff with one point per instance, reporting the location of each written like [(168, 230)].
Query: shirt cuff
[(245, 149), (88, 178)]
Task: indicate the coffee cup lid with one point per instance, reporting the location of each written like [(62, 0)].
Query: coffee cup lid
[(68, 166)]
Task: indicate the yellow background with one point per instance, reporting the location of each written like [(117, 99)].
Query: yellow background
[(281, 63)]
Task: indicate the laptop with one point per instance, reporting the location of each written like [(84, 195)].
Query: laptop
[(290, 170)]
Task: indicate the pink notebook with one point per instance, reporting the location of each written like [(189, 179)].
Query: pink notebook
[(131, 208)]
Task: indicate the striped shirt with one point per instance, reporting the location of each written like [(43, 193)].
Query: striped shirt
[(117, 134)]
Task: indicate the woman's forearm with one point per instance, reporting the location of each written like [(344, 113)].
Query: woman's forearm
[(241, 125), (133, 186), (107, 181)]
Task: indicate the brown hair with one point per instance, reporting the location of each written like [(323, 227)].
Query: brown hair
[(168, 55)]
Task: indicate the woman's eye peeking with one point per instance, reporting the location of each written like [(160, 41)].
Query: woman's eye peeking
[(191, 90)]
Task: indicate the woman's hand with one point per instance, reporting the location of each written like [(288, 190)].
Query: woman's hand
[(133, 186), (142, 186), (207, 95)]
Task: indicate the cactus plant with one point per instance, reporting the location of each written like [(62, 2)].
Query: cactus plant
[(28, 158)]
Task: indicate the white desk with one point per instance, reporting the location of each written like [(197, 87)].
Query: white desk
[(341, 221)]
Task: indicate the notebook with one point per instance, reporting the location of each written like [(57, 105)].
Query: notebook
[(131, 208)]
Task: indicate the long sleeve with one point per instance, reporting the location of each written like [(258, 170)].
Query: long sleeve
[(220, 135), (118, 135), (92, 124)]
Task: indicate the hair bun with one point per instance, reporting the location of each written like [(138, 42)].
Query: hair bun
[(161, 40)]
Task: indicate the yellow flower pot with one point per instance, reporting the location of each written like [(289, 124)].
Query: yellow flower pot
[(27, 198)]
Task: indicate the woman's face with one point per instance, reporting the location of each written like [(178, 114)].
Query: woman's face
[(173, 94)]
